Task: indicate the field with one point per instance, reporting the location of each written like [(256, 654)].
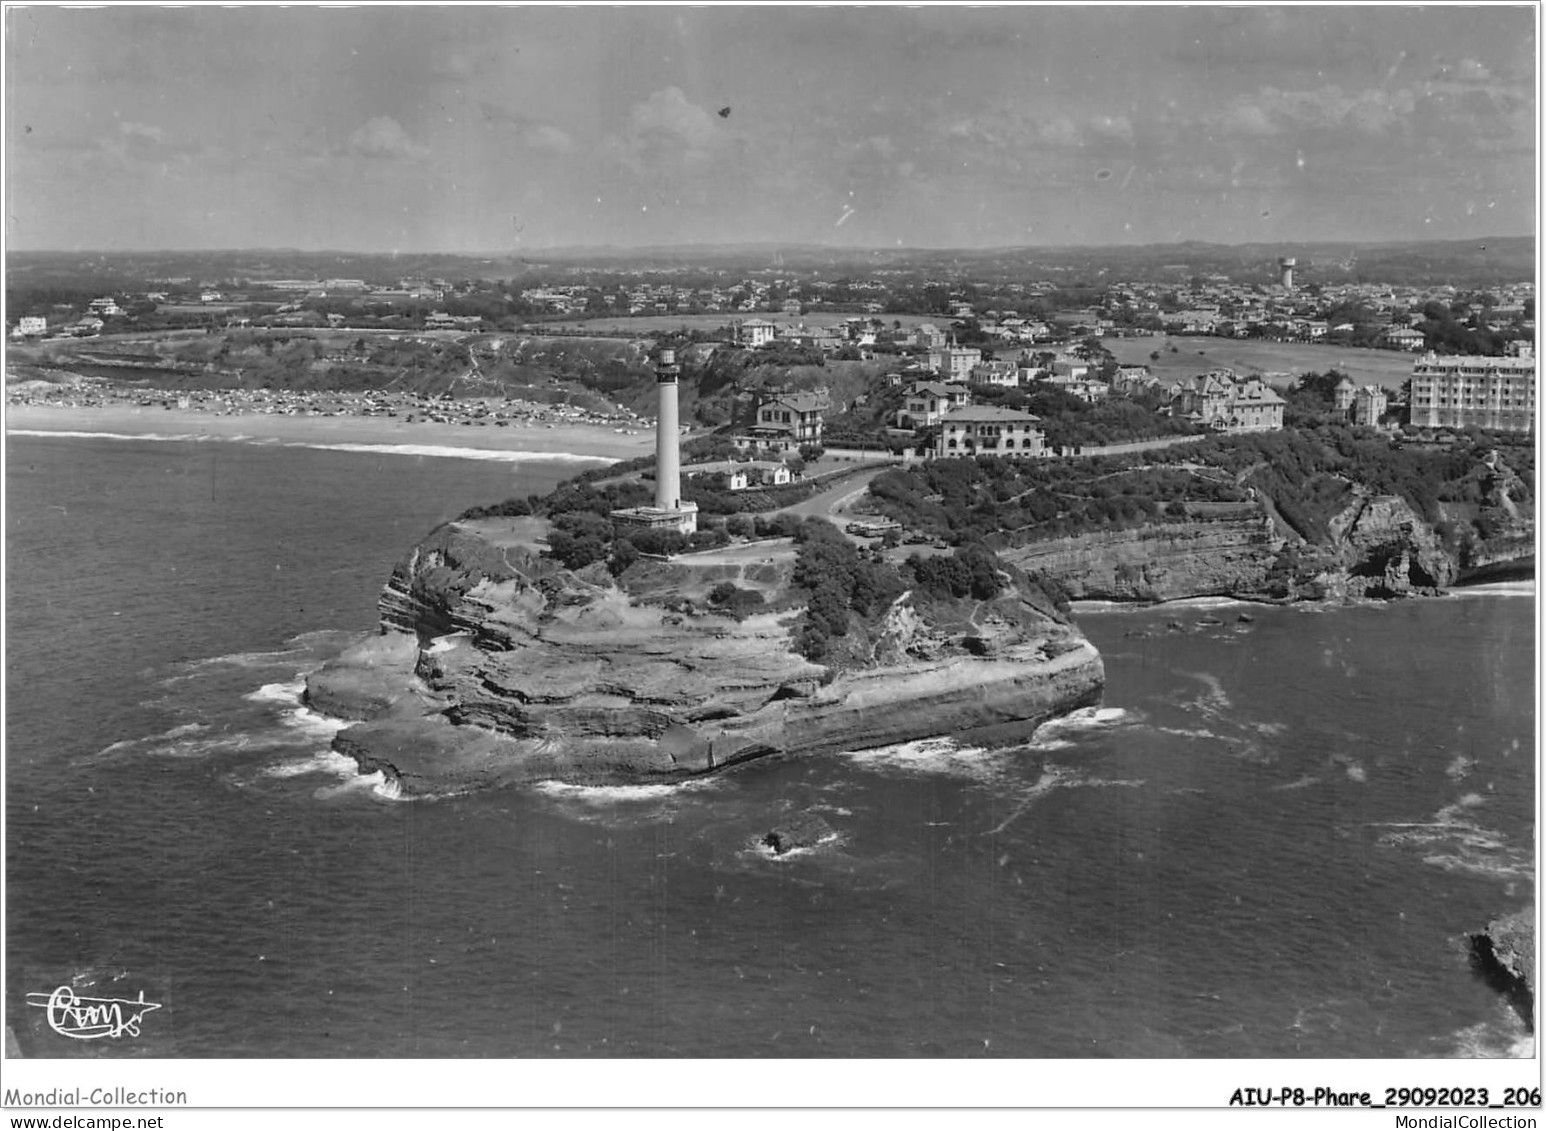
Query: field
[(657, 323), (1247, 357)]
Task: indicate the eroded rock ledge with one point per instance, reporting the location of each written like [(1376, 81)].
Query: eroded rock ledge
[(497, 666)]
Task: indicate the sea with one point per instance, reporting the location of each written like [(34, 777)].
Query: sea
[(1272, 840)]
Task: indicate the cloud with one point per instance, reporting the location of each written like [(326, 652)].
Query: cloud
[(383, 138), (142, 142), (666, 131), (529, 131), (668, 117), (1271, 110), (549, 138)]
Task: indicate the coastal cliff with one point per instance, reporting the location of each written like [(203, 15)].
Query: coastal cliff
[(1377, 547), (497, 665), (1161, 561)]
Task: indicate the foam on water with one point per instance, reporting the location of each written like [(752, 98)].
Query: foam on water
[(438, 451), (441, 451), (156, 436), (931, 756), (1301, 783), (1455, 841), (1085, 719), (598, 796), (326, 762), (288, 692), (313, 723), (376, 785), (1498, 589), (1503, 1039)]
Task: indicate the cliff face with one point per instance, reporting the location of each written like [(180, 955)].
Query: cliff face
[(1161, 562), (497, 666), (1378, 547)]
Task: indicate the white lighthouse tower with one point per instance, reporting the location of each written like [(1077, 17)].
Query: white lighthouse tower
[(670, 512), (668, 465)]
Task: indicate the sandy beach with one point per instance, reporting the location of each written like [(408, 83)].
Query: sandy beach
[(512, 441)]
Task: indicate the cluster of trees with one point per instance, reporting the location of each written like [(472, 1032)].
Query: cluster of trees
[(1458, 329), (1309, 472), (966, 501), (972, 571), (1068, 422), (839, 581)]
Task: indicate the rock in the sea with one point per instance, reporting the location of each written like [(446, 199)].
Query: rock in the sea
[(1504, 954), (802, 830)]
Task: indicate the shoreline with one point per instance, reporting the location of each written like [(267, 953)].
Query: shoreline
[(513, 442), (1517, 588)]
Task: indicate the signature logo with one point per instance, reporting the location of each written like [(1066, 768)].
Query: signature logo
[(90, 1018)]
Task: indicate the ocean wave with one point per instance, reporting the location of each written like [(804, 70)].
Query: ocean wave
[(155, 436), (1300, 783), (1454, 841), (288, 692), (1052, 777), (1083, 720), (443, 451), (930, 756), (607, 796), (320, 642), (1496, 589), (438, 451), (377, 785), (326, 762), (191, 744), (1213, 701), (1505, 1039)]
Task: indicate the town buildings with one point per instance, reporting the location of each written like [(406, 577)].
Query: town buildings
[(754, 332), (953, 362), (1369, 404), (1226, 403), (928, 402), (1474, 392), (989, 430), (791, 419)]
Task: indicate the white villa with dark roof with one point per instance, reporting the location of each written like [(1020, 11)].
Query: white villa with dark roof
[(989, 430)]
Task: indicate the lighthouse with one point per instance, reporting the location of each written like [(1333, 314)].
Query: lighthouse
[(668, 465), (670, 512)]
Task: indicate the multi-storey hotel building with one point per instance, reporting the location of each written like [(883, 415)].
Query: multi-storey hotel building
[(1474, 392)]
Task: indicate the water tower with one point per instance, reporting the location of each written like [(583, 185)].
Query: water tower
[(1286, 272)]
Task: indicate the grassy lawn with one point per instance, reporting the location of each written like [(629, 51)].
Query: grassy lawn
[(1247, 357), (656, 323)]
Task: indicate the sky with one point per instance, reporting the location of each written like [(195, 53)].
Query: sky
[(513, 129)]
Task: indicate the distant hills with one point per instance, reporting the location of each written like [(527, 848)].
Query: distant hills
[(1484, 261)]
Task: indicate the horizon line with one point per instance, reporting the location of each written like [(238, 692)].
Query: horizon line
[(773, 245)]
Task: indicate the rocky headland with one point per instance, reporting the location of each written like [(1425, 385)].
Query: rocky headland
[(1377, 547), (497, 665), (1504, 954)]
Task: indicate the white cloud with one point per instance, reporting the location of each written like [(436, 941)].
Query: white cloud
[(667, 132), (549, 138), (668, 115), (384, 137)]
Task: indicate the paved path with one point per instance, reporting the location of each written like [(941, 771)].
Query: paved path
[(835, 500)]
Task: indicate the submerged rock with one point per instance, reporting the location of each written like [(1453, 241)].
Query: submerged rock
[(803, 830)]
